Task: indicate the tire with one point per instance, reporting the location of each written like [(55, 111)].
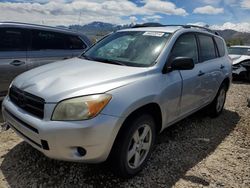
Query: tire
[(128, 157), (247, 76), (216, 107)]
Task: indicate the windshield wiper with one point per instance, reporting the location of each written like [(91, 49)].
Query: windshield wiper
[(110, 61), (86, 57), (115, 62)]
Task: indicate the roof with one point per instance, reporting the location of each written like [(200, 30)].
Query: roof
[(47, 28), (37, 26), (173, 28)]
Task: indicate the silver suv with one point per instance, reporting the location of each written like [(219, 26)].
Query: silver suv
[(25, 46), (112, 102)]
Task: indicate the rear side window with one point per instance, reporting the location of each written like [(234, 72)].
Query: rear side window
[(75, 43), (207, 48), (185, 46), (42, 40), (221, 46), (12, 39)]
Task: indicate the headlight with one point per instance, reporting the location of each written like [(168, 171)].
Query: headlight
[(80, 108)]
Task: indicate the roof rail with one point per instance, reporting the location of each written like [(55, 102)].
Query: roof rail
[(202, 27), (183, 26), (38, 25)]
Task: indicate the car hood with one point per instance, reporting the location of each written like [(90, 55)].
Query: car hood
[(238, 58), (76, 77)]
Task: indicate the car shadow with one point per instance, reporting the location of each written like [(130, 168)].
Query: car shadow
[(179, 148)]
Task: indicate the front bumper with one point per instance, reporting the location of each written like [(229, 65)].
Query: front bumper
[(60, 139), (241, 68)]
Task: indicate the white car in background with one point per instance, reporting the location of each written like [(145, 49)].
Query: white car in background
[(241, 60)]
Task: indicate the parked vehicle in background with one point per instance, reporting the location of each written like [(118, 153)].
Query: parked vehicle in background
[(113, 101), (25, 46), (241, 61)]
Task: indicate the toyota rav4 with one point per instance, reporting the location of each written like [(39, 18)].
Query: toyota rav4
[(113, 101)]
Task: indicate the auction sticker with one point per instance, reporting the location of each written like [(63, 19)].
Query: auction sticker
[(154, 34)]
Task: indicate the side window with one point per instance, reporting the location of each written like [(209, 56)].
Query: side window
[(75, 43), (12, 39), (186, 46), (221, 46), (207, 48), (46, 40)]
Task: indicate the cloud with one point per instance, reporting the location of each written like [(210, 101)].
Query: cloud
[(245, 4), (133, 20), (67, 12), (212, 2), (164, 7), (154, 18), (201, 24), (242, 27), (208, 10)]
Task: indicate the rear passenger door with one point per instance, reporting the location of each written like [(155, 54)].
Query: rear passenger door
[(13, 60), (209, 67), (46, 47)]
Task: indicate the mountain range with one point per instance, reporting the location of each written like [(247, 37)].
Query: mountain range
[(97, 30)]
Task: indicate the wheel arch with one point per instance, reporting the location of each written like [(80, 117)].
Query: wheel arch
[(153, 109), (226, 81)]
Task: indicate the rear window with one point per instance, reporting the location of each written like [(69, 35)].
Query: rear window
[(12, 39), (42, 40), (221, 46), (75, 43), (47, 40), (207, 48)]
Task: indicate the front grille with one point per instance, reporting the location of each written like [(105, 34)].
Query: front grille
[(28, 102)]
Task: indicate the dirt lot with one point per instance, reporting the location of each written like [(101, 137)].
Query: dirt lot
[(197, 152)]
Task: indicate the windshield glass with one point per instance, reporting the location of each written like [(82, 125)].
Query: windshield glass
[(239, 51), (130, 48)]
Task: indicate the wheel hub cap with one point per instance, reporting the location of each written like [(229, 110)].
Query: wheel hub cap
[(139, 146)]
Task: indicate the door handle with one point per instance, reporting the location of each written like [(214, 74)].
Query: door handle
[(201, 73), (17, 63), (222, 66)]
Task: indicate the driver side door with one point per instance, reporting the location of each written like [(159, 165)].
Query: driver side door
[(186, 46)]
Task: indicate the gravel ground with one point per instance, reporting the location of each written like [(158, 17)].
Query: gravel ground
[(197, 152)]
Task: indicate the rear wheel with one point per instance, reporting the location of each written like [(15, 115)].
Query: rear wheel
[(216, 107), (133, 147)]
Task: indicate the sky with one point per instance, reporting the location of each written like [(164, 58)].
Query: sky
[(218, 14)]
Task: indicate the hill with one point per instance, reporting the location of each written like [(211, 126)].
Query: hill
[(235, 38), (97, 30)]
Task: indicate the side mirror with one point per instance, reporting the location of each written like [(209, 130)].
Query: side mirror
[(182, 63), (179, 63)]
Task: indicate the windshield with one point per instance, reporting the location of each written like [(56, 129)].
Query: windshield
[(130, 48), (239, 51)]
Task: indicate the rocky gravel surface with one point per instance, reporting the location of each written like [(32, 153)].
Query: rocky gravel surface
[(197, 152)]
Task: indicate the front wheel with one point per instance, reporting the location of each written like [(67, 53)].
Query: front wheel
[(216, 107), (133, 147)]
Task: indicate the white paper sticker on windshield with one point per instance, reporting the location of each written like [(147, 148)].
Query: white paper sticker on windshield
[(155, 34)]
